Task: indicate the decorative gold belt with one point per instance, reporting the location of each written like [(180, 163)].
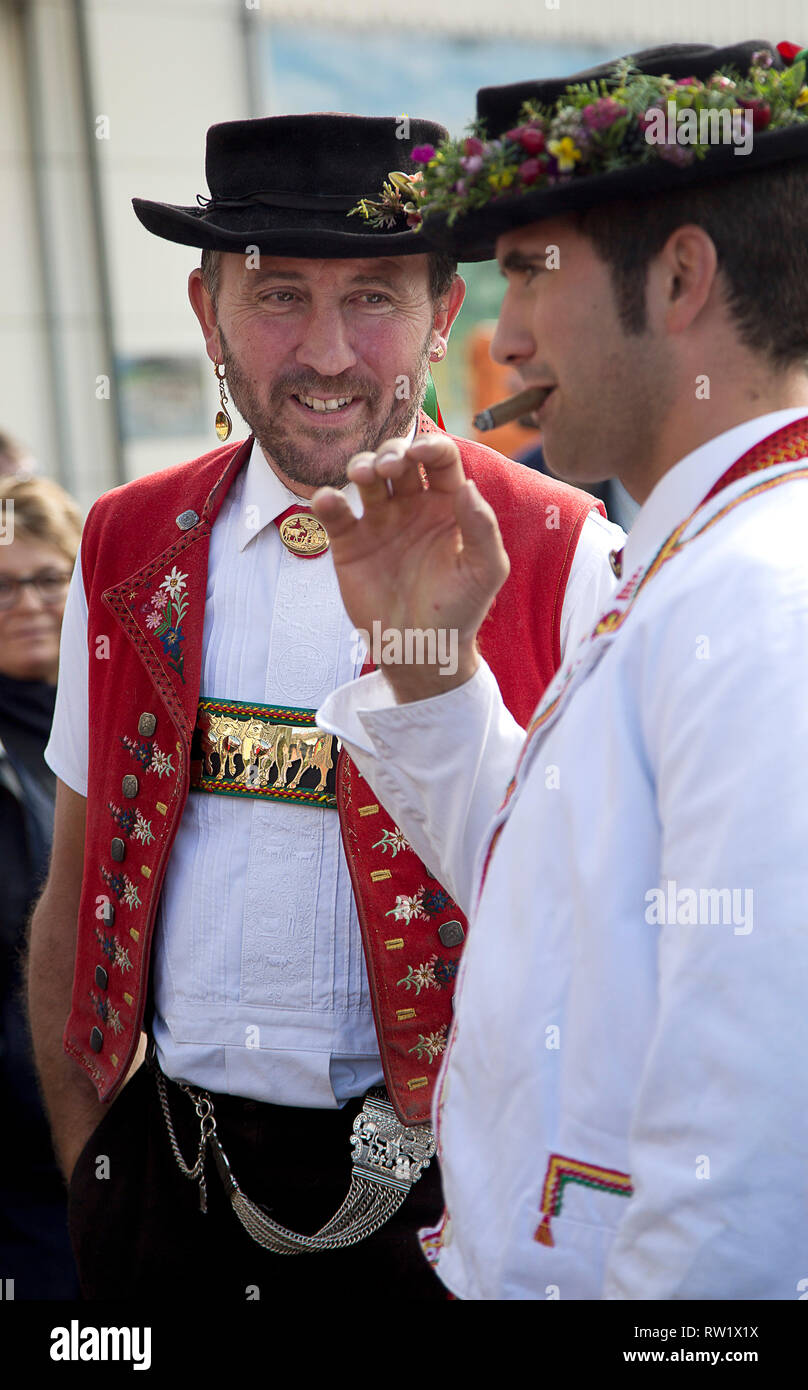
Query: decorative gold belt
[(271, 752)]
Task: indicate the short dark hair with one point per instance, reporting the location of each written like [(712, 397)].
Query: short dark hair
[(758, 223), (442, 270)]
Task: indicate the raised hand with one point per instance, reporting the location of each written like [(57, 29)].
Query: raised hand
[(420, 557)]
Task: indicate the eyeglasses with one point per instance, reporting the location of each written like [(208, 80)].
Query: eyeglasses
[(49, 584)]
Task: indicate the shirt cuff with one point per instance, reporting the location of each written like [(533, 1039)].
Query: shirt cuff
[(364, 712)]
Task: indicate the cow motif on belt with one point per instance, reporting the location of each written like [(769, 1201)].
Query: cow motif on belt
[(271, 752)]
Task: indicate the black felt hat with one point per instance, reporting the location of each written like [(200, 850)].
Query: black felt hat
[(470, 232), (287, 184)]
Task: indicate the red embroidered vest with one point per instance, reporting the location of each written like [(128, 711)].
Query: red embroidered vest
[(144, 560)]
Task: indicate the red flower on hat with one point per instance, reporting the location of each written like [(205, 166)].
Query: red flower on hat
[(761, 111), (423, 153), (532, 169), (531, 139), (789, 51)]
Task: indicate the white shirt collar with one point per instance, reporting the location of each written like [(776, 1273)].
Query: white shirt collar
[(265, 497), (681, 489)]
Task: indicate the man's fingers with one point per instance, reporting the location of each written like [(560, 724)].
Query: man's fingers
[(332, 509), (373, 490), (482, 539), (440, 459)]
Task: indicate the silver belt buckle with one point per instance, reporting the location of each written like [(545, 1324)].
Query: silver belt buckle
[(385, 1150)]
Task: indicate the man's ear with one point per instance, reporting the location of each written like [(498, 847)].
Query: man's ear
[(447, 311), (203, 307)]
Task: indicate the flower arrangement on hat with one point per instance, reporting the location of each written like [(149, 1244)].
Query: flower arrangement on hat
[(626, 120), (400, 196)]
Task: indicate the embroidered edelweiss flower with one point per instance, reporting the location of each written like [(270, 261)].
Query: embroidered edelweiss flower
[(430, 1045), (130, 894), (114, 1020), (394, 839), (142, 829), (160, 761), (122, 957), (174, 583), (420, 977), (407, 907)]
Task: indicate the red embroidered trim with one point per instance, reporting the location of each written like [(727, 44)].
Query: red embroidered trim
[(560, 1171)]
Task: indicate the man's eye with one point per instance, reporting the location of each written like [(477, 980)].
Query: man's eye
[(280, 296), (376, 297)]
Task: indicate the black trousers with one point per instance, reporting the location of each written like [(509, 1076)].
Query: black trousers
[(138, 1232)]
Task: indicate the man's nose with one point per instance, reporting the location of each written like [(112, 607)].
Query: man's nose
[(513, 341), (326, 345)]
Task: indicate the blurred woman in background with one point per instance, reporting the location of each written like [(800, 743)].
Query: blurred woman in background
[(39, 536)]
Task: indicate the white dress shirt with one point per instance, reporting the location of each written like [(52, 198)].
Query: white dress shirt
[(598, 1018), (259, 974)]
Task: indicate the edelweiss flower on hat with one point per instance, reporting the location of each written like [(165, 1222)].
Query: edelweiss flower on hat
[(663, 119)]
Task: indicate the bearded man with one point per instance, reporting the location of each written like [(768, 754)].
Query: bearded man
[(622, 1103), (238, 890)]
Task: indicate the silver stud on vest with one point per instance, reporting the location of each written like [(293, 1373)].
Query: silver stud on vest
[(186, 520)]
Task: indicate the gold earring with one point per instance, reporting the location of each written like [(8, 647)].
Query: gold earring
[(224, 424), (438, 353)]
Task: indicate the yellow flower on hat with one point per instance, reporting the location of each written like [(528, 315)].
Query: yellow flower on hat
[(566, 153), (502, 180), (802, 99)]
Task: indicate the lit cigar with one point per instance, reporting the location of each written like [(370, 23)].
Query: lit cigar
[(505, 411)]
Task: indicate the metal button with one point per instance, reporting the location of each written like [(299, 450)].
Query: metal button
[(146, 725), (129, 785), (96, 1040), (186, 520), (616, 562), (101, 977), (451, 933), (118, 850), (108, 914)]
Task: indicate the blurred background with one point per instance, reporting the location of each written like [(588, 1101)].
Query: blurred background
[(103, 374)]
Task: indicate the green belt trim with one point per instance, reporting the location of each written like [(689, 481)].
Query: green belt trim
[(240, 711)]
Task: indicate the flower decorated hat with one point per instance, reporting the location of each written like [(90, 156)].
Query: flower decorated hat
[(287, 186), (659, 120)]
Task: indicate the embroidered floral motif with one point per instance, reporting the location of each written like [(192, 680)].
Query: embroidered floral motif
[(130, 895), (114, 1020), (100, 1005), (435, 902), (430, 1045), (142, 830), (445, 970), (140, 750), (164, 614), (421, 976), (115, 881), (122, 958), (115, 953), (407, 907), (125, 819), (161, 762), (394, 840), (109, 943)]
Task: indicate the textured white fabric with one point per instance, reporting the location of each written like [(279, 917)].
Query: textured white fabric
[(596, 1020), (257, 928)]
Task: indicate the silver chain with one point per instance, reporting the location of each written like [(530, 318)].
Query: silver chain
[(388, 1158)]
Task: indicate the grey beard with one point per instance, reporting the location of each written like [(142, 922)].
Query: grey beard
[(281, 445)]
